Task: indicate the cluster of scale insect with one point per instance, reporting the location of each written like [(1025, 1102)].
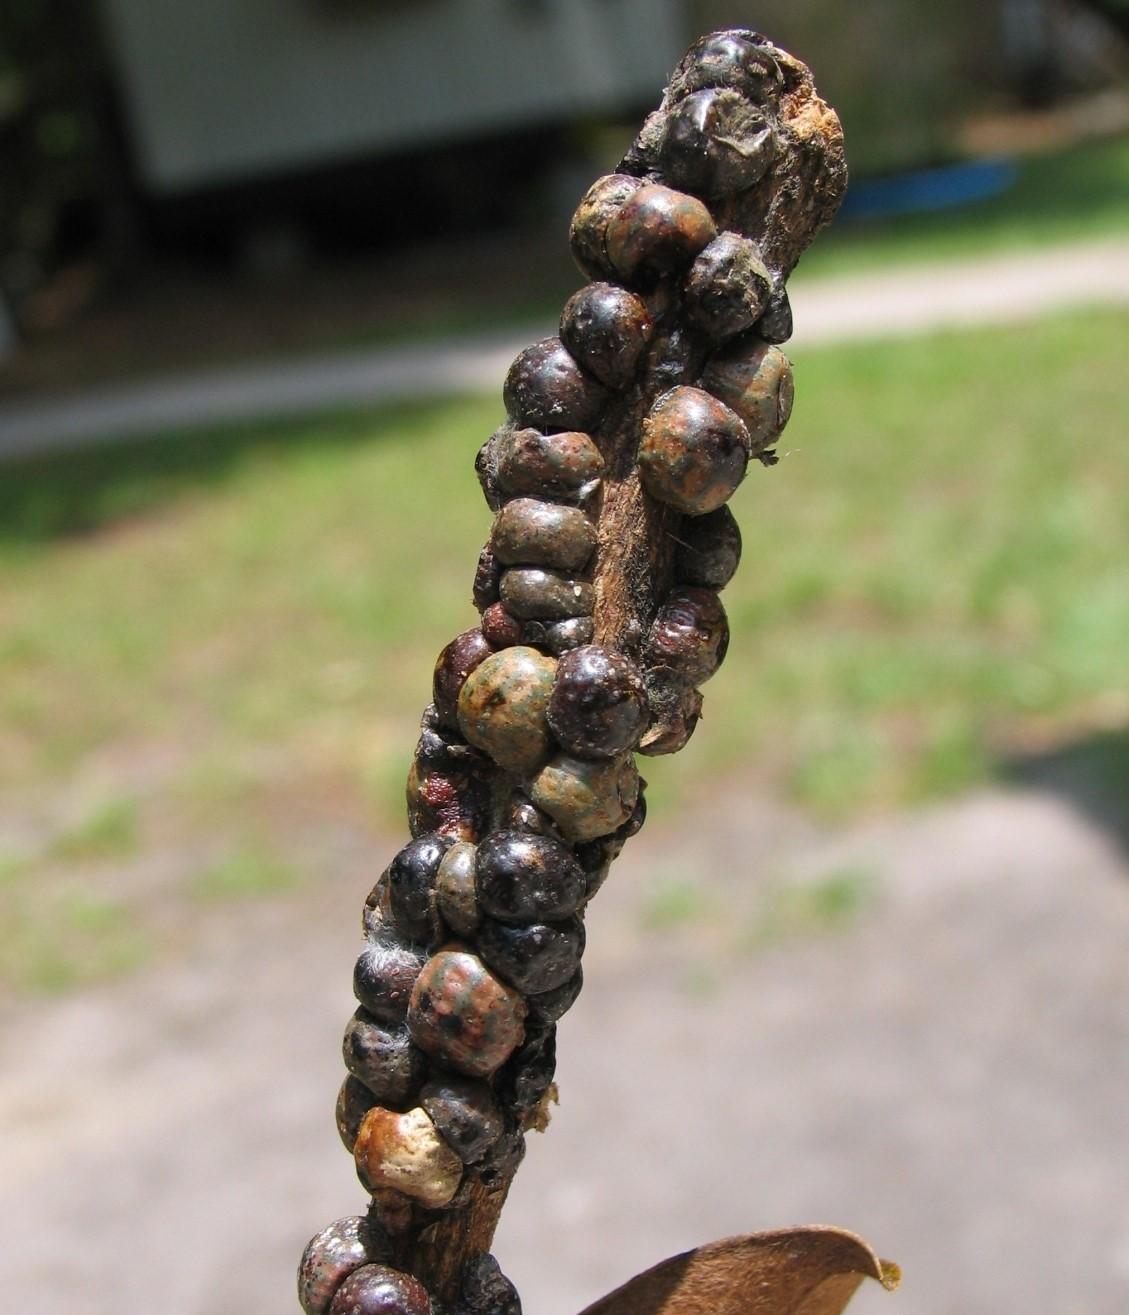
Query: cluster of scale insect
[(524, 787)]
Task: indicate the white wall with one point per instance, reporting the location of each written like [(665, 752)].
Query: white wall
[(219, 89)]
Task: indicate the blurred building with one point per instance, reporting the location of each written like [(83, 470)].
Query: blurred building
[(266, 130), (225, 90), (468, 104)]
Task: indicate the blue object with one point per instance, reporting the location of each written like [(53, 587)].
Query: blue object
[(929, 189)]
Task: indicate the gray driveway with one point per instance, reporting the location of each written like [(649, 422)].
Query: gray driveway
[(943, 1070)]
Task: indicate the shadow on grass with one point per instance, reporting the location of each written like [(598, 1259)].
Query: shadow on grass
[(1092, 774), (77, 493)]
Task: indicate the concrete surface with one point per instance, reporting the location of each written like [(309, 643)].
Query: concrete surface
[(946, 1071)]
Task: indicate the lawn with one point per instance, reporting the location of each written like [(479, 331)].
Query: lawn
[(1062, 196), (212, 646)]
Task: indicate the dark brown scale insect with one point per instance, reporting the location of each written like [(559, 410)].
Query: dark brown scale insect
[(486, 471), (487, 573), (595, 858), (439, 745), (329, 1259), (501, 628), (695, 451), (528, 1074), (411, 885), (607, 329), (378, 1290), (354, 1101), (716, 143), (533, 533), (728, 287), (455, 896), (690, 635), (465, 1114), (525, 816), (729, 59), (534, 958), (676, 709), (598, 706), (533, 634), (671, 370), (546, 465), (775, 325), (383, 979), (524, 878), (550, 1006), (487, 1291), (709, 549), (383, 1059), (562, 636), (486, 468), (534, 594), (502, 1160), (589, 225), (656, 232), (638, 818), (546, 388), (376, 916), (642, 155), (449, 784), (755, 380), (452, 667), (463, 1015), (452, 802)]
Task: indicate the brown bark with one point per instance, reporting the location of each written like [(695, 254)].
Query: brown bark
[(782, 214), (440, 1251)]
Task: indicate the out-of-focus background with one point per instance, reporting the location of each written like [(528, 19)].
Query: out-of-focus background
[(262, 267)]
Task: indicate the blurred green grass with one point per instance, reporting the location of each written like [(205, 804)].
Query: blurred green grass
[(109, 831), (936, 574), (248, 873), (64, 936)]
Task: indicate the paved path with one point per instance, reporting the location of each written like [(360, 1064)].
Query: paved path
[(946, 1073), (911, 300)]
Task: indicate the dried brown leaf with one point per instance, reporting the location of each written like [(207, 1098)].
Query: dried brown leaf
[(796, 1271)]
